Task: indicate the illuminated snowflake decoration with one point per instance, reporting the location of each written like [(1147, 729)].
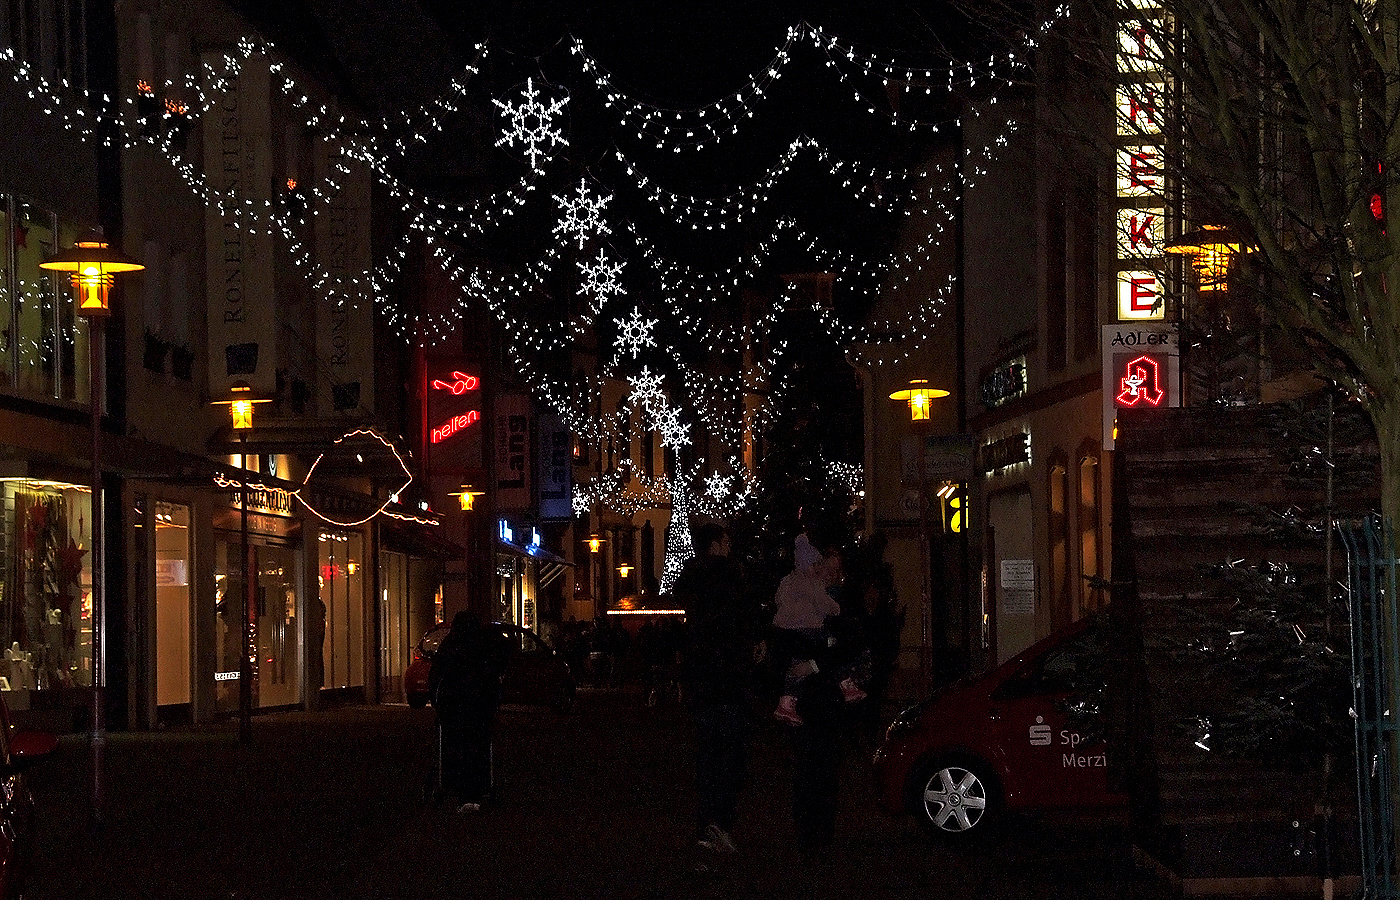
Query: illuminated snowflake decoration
[(646, 389), (581, 502), (634, 332), (531, 124), (674, 432), (717, 485), (600, 281), (582, 215)]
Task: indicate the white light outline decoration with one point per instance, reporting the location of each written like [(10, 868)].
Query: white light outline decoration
[(531, 123), (582, 215), (366, 143), (383, 507), (635, 332), (600, 281)]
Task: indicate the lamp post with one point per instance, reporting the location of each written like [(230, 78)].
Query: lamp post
[(595, 570), (92, 266), (240, 404), (920, 396)]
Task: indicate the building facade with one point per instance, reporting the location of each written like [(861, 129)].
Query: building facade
[(303, 535)]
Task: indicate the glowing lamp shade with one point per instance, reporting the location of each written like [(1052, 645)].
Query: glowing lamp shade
[(91, 265), (920, 398), (240, 404), (466, 497), (624, 570), (595, 543), (1210, 248)]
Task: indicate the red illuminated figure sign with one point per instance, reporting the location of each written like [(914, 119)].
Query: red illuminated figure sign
[(1141, 383), (460, 384)]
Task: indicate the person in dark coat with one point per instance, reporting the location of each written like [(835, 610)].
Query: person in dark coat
[(723, 628), (465, 685)]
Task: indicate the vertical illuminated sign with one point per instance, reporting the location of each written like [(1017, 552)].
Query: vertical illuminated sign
[(1138, 167), (453, 428), (1141, 370), (457, 384)]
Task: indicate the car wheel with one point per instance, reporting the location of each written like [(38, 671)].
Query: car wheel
[(955, 798)]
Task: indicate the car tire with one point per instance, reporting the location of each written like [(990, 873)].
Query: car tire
[(956, 798)]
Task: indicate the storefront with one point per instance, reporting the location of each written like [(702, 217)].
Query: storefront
[(523, 572), (45, 590), (337, 617), (276, 631)]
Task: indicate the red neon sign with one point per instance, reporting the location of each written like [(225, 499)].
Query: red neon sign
[(459, 384), (454, 425), (1141, 383)]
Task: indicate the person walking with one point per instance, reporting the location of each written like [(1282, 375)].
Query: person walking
[(816, 746), (723, 620), (464, 683)]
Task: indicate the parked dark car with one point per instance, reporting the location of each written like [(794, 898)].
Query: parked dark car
[(535, 675), (18, 751), (1001, 741)]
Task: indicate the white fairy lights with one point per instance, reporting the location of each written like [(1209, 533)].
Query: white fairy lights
[(698, 302)]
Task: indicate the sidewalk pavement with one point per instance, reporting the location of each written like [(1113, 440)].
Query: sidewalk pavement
[(593, 803)]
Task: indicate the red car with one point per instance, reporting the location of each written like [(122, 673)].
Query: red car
[(1000, 742), (535, 675), (18, 750)]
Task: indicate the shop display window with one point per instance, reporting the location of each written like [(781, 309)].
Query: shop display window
[(342, 581), (173, 602), (46, 589), (273, 625)]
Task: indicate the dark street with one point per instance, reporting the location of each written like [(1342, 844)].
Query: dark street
[(593, 803)]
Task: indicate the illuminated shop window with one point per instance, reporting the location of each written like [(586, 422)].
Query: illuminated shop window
[(46, 590)]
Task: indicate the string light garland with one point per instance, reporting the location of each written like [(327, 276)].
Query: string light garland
[(695, 298)]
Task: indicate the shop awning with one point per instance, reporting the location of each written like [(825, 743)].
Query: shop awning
[(420, 540), (551, 566)]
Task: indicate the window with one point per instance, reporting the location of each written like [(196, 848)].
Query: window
[(393, 620), (342, 592), (1076, 665), (1056, 298), (1061, 587), (43, 342), (45, 604), (1085, 268), (1090, 597)]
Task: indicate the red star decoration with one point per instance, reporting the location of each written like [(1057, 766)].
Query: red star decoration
[(70, 563), (36, 522)]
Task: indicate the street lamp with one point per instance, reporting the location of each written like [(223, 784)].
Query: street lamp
[(920, 396), (240, 402), (466, 497), (1210, 248), (92, 266)]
